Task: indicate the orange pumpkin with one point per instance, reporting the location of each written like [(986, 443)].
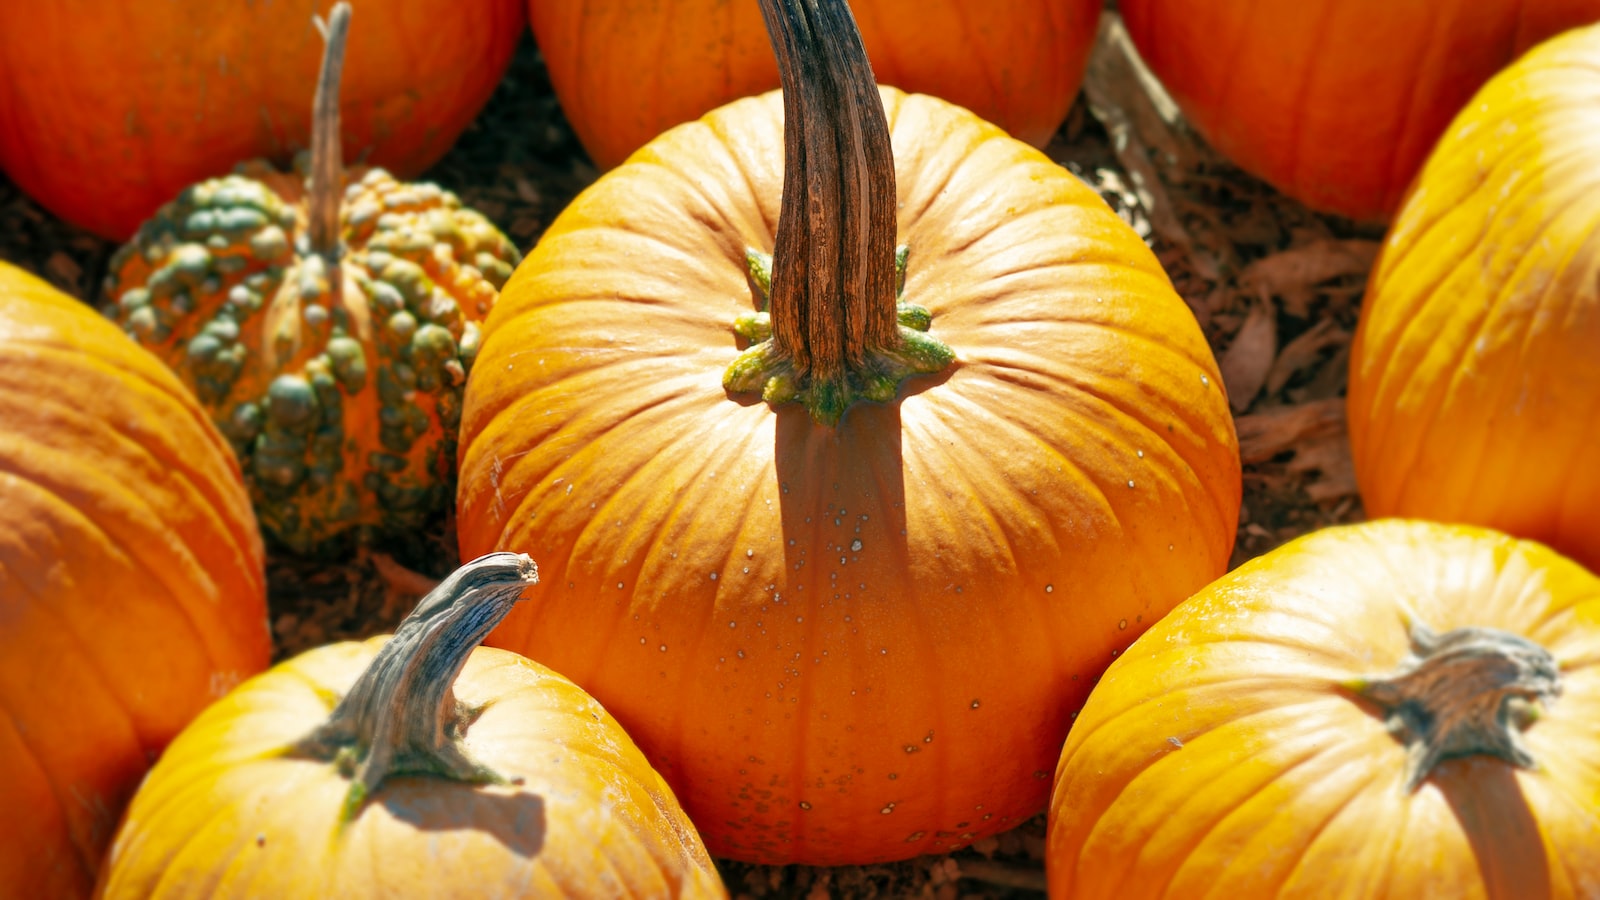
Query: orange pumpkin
[(626, 71), (845, 631), (1475, 373), (410, 766), (108, 109), (132, 591), (1335, 102), (327, 328), (1393, 709)]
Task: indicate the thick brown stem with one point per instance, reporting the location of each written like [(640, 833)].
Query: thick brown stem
[(1465, 692), (834, 331), (833, 264), (401, 716), (327, 162)]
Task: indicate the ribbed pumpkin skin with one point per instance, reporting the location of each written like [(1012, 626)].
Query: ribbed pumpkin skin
[(858, 644), (1286, 786), (1335, 102), (132, 591), (1475, 374), (108, 108), (627, 70), (226, 813)]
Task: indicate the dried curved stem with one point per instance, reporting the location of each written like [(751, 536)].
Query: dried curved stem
[(402, 716), (327, 156), (1466, 692)]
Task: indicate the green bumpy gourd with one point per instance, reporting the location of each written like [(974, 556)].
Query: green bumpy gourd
[(337, 377)]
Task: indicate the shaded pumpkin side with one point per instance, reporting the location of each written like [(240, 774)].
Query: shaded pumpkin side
[(1270, 83), (1018, 65), (132, 590)]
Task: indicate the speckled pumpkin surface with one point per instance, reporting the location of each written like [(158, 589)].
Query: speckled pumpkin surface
[(338, 386)]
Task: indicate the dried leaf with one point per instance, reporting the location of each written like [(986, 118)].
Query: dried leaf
[(1329, 381), (1329, 457), (1291, 274), (1245, 363), (1303, 352), (1265, 434), (65, 272)]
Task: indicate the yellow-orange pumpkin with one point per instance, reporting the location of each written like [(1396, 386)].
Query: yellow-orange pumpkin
[(413, 765), (626, 71), (108, 108), (1335, 102), (1393, 709), (131, 584), (1475, 372), (853, 634), (333, 360)]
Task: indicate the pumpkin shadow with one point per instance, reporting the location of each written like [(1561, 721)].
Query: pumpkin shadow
[(517, 820), (842, 487), (1488, 802)]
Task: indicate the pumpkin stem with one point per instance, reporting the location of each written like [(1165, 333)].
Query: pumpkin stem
[(834, 332), (327, 156), (401, 717), (1465, 692)]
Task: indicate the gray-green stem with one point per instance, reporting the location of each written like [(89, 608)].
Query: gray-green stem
[(327, 162), (401, 717), (1466, 692), (832, 331)]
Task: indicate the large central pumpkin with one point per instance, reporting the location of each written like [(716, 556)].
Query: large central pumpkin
[(858, 641)]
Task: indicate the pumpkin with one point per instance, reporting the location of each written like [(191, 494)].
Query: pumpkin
[(326, 327), (846, 628), (1335, 102), (132, 590), (411, 765), (626, 71), (108, 110), (1474, 378), (1393, 709)]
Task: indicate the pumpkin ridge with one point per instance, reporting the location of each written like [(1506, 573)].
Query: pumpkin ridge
[(91, 484), (1418, 236), (92, 665), (85, 858), (1395, 178), (192, 483), (561, 468), (642, 165), (1170, 862), (1405, 460), (1355, 790), (1007, 371), (1529, 327), (992, 523)]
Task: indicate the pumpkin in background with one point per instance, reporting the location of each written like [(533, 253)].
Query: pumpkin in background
[(1393, 709), (412, 765), (109, 108), (327, 328), (1475, 372), (845, 633), (1335, 102), (132, 590), (625, 71)]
